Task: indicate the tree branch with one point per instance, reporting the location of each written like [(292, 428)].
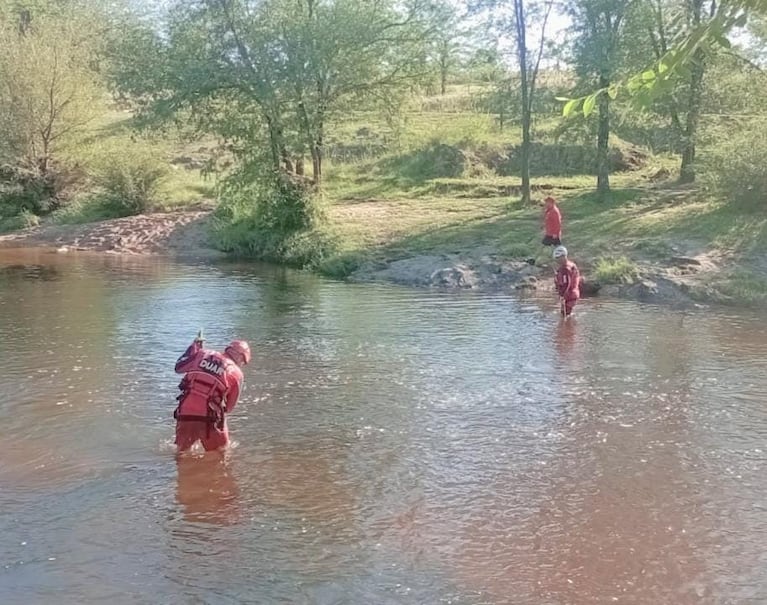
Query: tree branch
[(540, 54)]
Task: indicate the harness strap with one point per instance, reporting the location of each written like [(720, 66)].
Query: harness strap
[(207, 419)]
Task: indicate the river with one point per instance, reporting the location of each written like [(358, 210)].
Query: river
[(391, 446)]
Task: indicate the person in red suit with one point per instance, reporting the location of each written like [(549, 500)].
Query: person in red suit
[(552, 223), (567, 280), (209, 391)]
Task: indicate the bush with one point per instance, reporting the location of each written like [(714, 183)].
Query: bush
[(25, 187), (24, 220), (735, 168), (271, 216), (130, 177)]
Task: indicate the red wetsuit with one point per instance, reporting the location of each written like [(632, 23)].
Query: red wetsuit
[(568, 282), (552, 223), (210, 390)]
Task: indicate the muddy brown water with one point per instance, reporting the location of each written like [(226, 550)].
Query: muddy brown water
[(393, 445)]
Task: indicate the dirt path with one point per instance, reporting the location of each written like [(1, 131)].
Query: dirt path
[(182, 233)]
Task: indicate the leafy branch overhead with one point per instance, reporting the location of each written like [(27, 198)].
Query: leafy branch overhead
[(656, 80)]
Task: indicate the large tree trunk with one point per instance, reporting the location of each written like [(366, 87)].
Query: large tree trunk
[(443, 67), (687, 169), (275, 143), (603, 140), (317, 165), (317, 153), (525, 155), (521, 27), (689, 136)]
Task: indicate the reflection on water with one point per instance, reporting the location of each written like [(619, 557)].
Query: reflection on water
[(207, 490), (394, 446)]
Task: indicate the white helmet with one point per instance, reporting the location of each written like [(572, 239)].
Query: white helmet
[(560, 251)]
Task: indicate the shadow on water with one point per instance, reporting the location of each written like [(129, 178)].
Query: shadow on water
[(42, 272)]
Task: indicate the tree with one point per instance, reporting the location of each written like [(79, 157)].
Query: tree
[(346, 51), (516, 18), (695, 16), (447, 41), (599, 26), (280, 68), (49, 90), (529, 65), (654, 80)]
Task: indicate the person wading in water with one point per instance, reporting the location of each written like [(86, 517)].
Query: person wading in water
[(209, 391)]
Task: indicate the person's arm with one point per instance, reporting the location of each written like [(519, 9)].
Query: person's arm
[(562, 282), (186, 361), (233, 390)]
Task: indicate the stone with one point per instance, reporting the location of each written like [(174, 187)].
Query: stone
[(452, 277)]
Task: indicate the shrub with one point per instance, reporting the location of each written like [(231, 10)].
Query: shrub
[(25, 187), (432, 161), (271, 216), (131, 177), (735, 168), (23, 220)]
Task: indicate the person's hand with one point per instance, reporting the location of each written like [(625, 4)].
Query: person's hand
[(199, 339)]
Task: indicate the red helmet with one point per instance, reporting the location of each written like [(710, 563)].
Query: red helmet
[(241, 347)]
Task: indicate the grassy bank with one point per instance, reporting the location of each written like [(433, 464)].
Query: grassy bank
[(442, 181), (113, 171)]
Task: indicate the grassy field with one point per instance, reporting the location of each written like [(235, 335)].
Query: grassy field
[(113, 138)]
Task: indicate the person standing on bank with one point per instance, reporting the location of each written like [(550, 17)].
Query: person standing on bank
[(552, 223), (209, 391)]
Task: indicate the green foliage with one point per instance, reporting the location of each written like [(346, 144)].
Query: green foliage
[(86, 209), (274, 74), (434, 160), (745, 287), (618, 270), (24, 220), (340, 266), (271, 216), (25, 188), (50, 90), (657, 78), (735, 168), (130, 178)]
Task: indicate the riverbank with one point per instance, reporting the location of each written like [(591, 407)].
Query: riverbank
[(182, 233), (631, 248)]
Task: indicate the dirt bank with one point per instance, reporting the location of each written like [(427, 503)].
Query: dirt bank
[(180, 234), (684, 279)]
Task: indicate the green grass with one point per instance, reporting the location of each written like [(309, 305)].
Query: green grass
[(744, 286), (618, 270)]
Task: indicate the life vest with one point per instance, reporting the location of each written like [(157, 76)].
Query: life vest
[(205, 384)]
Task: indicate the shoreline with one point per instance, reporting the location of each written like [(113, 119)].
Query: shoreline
[(679, 281)]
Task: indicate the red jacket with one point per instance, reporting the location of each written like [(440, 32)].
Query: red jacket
[(552, 221), (568, 281), (212, 383)]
